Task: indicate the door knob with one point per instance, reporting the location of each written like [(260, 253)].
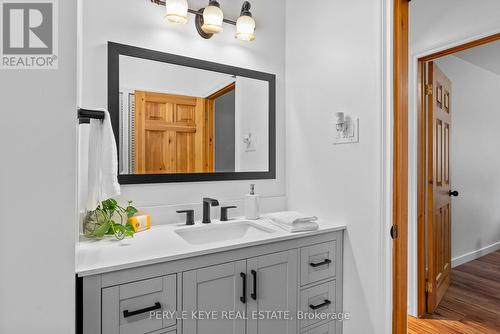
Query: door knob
[(453, 193)]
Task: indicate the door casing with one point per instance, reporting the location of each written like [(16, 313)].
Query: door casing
[(400, 168)]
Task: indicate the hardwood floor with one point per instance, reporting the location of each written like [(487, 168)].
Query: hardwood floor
[(472, 303)]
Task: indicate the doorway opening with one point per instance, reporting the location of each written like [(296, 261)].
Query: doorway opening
[(447, 93), (400, 169)]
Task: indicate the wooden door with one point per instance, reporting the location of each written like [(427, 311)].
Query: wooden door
[(439, 212), (272, 287), (169, 134), (217, 288)]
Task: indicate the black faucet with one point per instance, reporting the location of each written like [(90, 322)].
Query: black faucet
[(207, 203)]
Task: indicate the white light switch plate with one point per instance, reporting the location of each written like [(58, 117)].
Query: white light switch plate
[(352, 134)]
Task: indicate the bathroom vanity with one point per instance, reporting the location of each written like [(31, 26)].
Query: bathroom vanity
[(242, 274), (180, 119)]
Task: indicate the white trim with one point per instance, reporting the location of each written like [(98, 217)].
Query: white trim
[(412, 196), (467, 257), (387, 15)]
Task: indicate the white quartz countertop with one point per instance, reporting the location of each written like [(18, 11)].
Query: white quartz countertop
[(163, 244)]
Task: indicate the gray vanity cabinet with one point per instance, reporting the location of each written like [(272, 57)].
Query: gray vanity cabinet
[(290, 277), (250, 289), (217, 288), (275, 289)]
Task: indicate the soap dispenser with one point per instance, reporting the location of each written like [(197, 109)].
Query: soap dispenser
[(252, 204)]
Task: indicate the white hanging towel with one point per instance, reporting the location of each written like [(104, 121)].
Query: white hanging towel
[(103, 162)]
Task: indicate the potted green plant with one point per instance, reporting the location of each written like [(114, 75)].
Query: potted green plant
[(103, 220)]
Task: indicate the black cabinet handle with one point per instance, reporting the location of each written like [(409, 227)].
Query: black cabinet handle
[(453, 193), (243, 297), (314, 265), (254, 293), (127, 313), (325, 303)]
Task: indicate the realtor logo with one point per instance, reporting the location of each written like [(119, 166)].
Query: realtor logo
[(29, 34)]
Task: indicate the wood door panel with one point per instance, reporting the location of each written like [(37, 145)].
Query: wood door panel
[(159, 111), (439, 217), (154, 151), (160, 151), (446, 153), (185, 152), (438, 149), (170, 134), (184, 114)]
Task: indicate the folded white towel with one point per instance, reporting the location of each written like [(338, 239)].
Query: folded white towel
[(103, 162), (290, 218), (299, 227)]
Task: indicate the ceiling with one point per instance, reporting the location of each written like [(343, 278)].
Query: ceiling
[(486, 56)]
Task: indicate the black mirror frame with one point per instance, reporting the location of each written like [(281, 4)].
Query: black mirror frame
[(114, 52)]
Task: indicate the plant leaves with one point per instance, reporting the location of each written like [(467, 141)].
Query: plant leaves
[(131, 211), (100, 223), (119, 231), (101, 230), (110, 205)]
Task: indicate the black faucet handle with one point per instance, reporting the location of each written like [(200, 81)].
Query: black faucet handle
[(189, 216), (223, 212), (211, 201)]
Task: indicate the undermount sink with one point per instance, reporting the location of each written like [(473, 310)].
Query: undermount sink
[(217, 232)]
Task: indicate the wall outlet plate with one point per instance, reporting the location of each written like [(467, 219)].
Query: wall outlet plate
[(349, 136)]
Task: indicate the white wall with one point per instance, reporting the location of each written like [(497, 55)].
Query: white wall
[(252, 106), (141, 23), (38, 191), (144, 74), (334, 63), (475, 160), (436, 26)]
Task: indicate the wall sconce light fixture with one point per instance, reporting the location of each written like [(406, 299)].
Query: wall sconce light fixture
[(346, 129), (212, 18), (245, 25), (177, 11), (209, 20)]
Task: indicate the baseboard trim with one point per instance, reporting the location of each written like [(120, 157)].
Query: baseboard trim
[(459, 260)]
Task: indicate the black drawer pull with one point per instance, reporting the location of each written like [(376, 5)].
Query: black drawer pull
[(314, 265), (243, 297), (127, 313), (254, 293), (325, 303)]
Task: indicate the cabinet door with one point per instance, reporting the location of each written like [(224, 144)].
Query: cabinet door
[(272, 287), (217, 288)]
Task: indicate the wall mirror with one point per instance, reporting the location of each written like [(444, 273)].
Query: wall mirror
[(179, 119)]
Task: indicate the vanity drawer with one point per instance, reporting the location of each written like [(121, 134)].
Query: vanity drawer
[(319, 299), (317, 262), (328, 328), (126, 308)]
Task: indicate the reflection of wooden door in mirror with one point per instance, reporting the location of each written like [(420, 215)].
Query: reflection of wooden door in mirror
[(171, 134), (439, 216)]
